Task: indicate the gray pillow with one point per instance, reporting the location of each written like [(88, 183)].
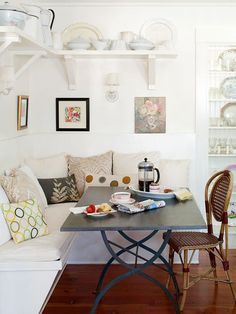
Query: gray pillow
[(60, 190)]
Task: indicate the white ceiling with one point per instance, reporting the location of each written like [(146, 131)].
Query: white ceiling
[(162, 2)]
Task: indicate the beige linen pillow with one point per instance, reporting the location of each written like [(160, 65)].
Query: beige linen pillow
[(49, 167), (79, 166), (128, 163), (174, 173), (20, 187)]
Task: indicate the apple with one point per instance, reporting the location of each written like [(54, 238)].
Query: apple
[(93, 207), (90, 210)]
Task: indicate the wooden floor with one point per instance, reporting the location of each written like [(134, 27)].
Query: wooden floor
[(74, 293)]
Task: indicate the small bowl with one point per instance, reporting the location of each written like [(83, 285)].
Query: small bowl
[(100, 44), (121, 196)]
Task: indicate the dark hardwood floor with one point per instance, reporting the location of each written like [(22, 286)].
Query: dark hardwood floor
[(74, 292)]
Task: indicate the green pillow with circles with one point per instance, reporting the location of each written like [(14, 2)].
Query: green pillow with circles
[(25, 220)]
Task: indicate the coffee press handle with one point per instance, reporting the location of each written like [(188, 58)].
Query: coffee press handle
[(158, 175)]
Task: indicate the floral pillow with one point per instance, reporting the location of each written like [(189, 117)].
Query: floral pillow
[(25, 220), (60, 190)]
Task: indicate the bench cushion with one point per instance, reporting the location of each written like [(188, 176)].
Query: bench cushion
[(46, 248)]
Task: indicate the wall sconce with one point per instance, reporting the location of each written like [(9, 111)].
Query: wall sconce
[(112, 81)]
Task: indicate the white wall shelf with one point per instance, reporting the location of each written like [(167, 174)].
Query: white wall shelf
[(222, 128), (16, 41), (222, 100), (222, 155)]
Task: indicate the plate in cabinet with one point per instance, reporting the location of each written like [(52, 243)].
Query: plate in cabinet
[(228, 113), (228, 87)]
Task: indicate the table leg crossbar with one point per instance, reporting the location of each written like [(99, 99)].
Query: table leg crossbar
[(136, 269)]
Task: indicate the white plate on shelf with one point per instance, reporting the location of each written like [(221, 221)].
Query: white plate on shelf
[(83, 30), (131, 201), (154, 195), (228, 113), (228, 87), (159, 31), (228, 60), (100, 214)]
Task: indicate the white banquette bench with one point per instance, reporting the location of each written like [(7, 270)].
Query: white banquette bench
[(30, 270)]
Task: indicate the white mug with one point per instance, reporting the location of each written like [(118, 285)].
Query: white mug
[(127, 36)]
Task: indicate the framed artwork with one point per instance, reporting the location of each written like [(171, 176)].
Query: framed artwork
[(22, 112), (72, 114), (150, 114)]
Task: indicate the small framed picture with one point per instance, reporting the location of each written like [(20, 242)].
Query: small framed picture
[(22, 112), (72, 114)]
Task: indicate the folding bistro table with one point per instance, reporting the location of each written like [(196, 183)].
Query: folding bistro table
[(174, 216)]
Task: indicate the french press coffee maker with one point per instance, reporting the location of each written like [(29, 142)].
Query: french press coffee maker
[(146, 173)]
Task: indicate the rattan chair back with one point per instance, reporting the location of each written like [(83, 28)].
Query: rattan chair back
[(217, 197)]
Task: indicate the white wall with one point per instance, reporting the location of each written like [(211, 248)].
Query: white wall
[(112, 124), (12, 142)]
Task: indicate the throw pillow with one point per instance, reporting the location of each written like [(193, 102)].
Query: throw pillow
[(128, 163), (174, 173), (111, 180), (4, 230), (49, 167), (20, 187), (30, 173), (60, 190), (79, 166), (25, 220)]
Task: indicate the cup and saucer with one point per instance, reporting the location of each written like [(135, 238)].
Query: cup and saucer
[(121, 198)]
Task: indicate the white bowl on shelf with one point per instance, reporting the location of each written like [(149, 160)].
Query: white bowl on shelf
[(100, 44), (141, 46), (79, 43)]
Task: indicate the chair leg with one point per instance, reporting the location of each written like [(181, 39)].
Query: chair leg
[(213, 265), (171, 262), (185, 280), (230, 283)]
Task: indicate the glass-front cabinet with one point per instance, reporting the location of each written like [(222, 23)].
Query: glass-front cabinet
[(216, 110), (222, 113)]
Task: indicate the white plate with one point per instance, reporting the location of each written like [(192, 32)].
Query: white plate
[(228, 112), (228, 60), (159, 31), (100, 214), (154, 195), (83, 30), (228, 87), (131, 201)]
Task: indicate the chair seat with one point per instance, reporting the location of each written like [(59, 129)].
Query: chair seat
[(192, 240)]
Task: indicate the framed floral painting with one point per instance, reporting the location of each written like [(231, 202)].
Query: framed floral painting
[(22, 112), (72, 114), (150, 114)]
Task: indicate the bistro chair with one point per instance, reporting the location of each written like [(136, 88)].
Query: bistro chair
[(218, 191)]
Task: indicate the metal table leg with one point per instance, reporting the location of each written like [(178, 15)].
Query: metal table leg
[(134, 270)]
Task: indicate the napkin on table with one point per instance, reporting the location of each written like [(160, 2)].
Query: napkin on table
[(183, 194)]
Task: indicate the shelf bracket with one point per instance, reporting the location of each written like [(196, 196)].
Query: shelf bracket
[(151, 71), (34, 57), (71, 69), (8, 39)]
